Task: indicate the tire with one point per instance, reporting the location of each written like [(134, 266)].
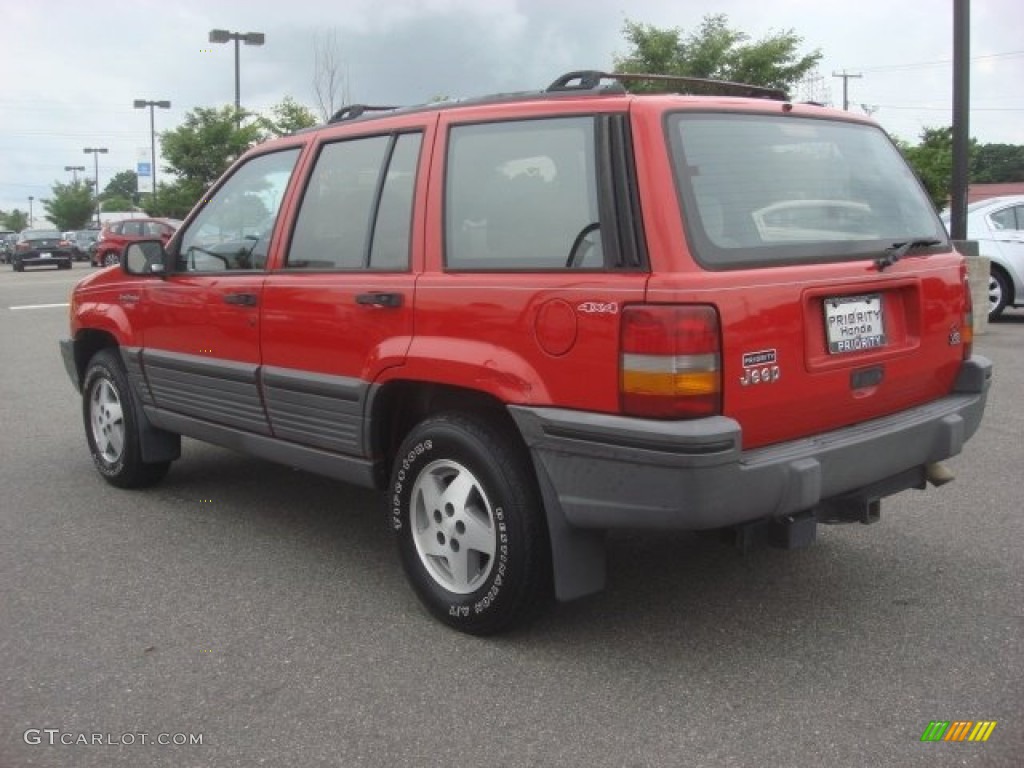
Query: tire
[(17, 266), (471, 531), (998, 292), (108, 410)]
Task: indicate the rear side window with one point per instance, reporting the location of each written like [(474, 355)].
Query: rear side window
[(1008, 218), (763, 189), (522, 195), (356, 212)]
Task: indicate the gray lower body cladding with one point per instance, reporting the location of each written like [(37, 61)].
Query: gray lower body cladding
[(618, 472)]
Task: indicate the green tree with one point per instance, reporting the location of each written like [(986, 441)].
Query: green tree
[(287, 117), (210, 139), (71, 206), (932, 161), (199, 150), (15, 221), (123, 185), (175, 199), (997, 163), (716, 51), (117, 203)]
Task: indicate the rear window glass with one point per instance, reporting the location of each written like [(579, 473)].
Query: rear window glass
[(522, 194), (764, 189)]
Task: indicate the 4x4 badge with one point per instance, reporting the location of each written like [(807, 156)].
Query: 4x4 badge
[(598, 307)]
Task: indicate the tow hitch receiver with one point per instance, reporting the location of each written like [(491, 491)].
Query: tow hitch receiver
[(788, 532), (853, 509)]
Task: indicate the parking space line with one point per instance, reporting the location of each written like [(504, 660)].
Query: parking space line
[(39, 306)]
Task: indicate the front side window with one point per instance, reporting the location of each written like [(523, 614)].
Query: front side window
[(233, 230), (356, 212), (765, 189), (522, 195)]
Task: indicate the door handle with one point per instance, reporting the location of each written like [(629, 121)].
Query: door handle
[(378, 299), (240, 299)]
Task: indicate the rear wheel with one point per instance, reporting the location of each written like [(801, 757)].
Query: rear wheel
[(111, 427), (998, 292), (471, 531)]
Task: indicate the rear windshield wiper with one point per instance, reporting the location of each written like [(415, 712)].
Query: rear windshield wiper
[(897, 251)]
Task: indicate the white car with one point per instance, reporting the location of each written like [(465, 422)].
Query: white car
[(998, 226)]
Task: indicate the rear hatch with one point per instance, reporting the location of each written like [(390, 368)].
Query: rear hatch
[(839, 296)]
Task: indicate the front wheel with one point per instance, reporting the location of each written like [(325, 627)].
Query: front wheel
[(111, 258), (471, 532), (111, 427)]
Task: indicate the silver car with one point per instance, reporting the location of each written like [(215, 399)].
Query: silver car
[(998, 226)]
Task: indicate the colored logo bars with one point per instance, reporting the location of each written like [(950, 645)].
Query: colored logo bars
[(958, 730)]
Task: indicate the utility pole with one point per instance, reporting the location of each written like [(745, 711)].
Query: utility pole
[(961, 118), (846, 79)]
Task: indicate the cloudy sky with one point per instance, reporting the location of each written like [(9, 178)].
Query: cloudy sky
[(69, 70)]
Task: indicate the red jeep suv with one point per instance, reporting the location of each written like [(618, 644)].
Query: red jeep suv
[(532, 318)]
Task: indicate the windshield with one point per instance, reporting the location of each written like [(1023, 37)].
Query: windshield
[(41, 234), (765, 189)]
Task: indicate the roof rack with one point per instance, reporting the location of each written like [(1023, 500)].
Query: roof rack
[(590, 80), (352, 111)]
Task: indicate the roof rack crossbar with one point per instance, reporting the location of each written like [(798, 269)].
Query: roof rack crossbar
[(590, 80), (352, 111)]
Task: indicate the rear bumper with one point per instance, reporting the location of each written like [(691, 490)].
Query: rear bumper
[(618, 472), (34, 259)]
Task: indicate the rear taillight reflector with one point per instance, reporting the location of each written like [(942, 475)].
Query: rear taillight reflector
[(967, 331), (670, 362)]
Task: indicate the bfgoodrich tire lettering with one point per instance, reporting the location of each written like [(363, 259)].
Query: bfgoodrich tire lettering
[(471, 532), (108, 410)]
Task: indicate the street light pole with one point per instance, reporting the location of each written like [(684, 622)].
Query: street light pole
[(249, 38), (30, 217), (74, 171), (142, 104), (96, 152)]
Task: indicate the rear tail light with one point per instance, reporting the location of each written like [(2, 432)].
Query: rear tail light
[(967, 330), (671, 361)]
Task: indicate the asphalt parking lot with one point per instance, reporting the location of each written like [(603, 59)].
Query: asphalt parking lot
[(263, 611)]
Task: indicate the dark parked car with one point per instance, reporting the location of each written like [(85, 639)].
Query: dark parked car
[(7, 241), (40, 248), (116, 235), (81, 241)]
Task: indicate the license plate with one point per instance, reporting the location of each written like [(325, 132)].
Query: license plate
[(854, 323), (45, 255)]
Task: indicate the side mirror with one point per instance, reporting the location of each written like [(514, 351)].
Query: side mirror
[(144, 257)]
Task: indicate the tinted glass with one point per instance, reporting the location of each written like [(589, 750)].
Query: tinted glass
[(520, 193), (335, 218), (234, 228), (766, 189), (391, 233), (1008, 218)]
